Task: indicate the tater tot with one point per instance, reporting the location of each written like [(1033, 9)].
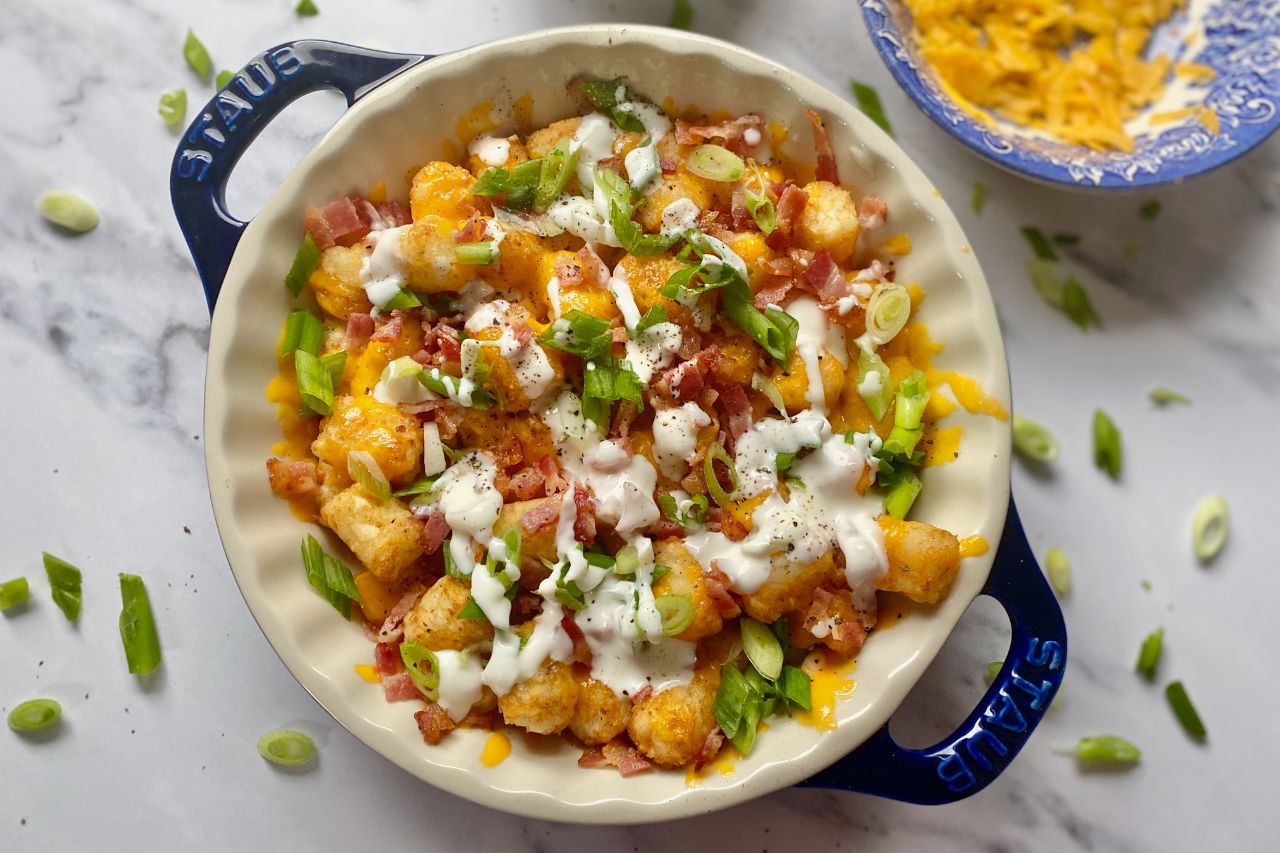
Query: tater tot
[(543, 703), (923, 559), (600, 715), (434, 623), (670, 727)]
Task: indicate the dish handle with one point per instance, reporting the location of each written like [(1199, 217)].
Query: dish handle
[(224, 128), (990, 737)]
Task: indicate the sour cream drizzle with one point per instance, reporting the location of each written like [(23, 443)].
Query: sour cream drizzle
[(382, 272)]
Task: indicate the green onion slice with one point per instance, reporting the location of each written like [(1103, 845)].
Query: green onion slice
[(364, 469), (1065, 239), (769, 388), (900, 498), (554, 173), (1107, 749), (224, 77), (876, 393), (34, 715), (471, 612), (1150, 210), (579, 333), (869, 102), (197, 57), (605, 381), (794, 685), (676, 612), (762, 647), (1033, 441), (603, 95), (1058, 568), (1107, 452), (691, 519), (138, 626), (761, 208), (626, 561), (887, 313), (1209, 527), (68, 210), (993, 669), (477, 254), (1162, 395), (305, 8), (13, 593), (329, 576), (773, 329), (173, 107), (715, 163), (426, 678), (403, 301), (1076, 305), (1039, 243), (1149, 654), (1045, 281), (315, 383), (304, 264), (681, 15), (302, 331), (717, 453), (287, 748), (978, 199), (655, 315), (64, 584), (1180, 702), (908, 415)]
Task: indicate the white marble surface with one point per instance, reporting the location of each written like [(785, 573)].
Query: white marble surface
[(102, 343)]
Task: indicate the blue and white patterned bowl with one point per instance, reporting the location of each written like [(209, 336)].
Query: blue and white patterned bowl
[(1239, 39)]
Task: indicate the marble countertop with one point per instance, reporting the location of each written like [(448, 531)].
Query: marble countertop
[(102, 347)]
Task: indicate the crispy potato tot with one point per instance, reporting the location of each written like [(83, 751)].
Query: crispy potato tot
[(544, 703), (392, 438), (336, 282), (789, 587), (600, 715), (685, 578), (444, 190), (385, 537), (433, 622), (923, 559), (829, 221), (670, 727)]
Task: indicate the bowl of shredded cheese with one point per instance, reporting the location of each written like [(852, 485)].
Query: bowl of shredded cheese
[(1105, 94)]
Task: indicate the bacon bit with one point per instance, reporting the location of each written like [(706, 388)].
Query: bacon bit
[(825, 279), (614, 163), (685, 380), (826, 170), (593, 264), (618, 331), (434, 723), (338, 223), (386, 658), (732, 134), (391, 631), (592, 758), (735, 413), (447, 419), (581, 651), (393, 214), (621, 427), (442, 342), (422, 407), (391, 328), (554, 482), (359, 329), (667, 165), (526, 484), (626, 758), (400, 688), (850, 632), (791, 204), (482, 719), (471, 231), (872, 212), (525, 606), (435, 529), (664, 528), (710, 748), (584, 526), (569, 273), (738, 213), (785, 267), (642, 694), (542, 516), (775, 294), (291, 479), (718, 590), (523, 334)]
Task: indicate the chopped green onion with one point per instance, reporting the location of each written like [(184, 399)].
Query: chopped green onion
[(1045, 282), (1063, 239), (333, 363), (1209, 527), (762, 647), (655, 315), (68, 210), (223, 78), (477, 254), (1150, 210), (315, 383), (900, 498), (993, 669), (302, 331), (1106, 444), (795, 686), (769, 388), (783, 461), (626, 561), (1039, 243), (1033, 441), (715, 163), (196, 55), (556, 169), (676, 612), (762, 210), (1149, 654), (908, 415), (603, 95), (732, 697), (305, 8), (632, 238), (13, 593), (692, 518), (64, 584), (34, 715), (1076, 305), (518, 186), (978, 200), (606, 381), (580, 334), (421, 486), (364, 469), (887, 313), (173, 107), (681, 15), (869, 102), (569, 594), (304, 264), (1107, 749), (329, 576), (287, 748), (878, 393), (716, 453), (471, 612), (1180, 702), (138, 626), (773, 329), (427, 680), (403, 301), (686, 285), (1058, 568), (1162, 395)]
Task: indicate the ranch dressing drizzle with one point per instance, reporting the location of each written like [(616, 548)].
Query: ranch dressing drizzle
[(528, 361), (382, 271)]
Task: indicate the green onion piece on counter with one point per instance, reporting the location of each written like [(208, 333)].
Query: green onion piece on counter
[(68, 210), (315, 383), (403, 301), (1209, 527), (1106, 444), (676, 612), (329, 576), (305, 8), (34, 715), (655, 315), (426, 678), (1045, 281), (874, 383), (364, 469), (1149, 654), (716, 453), (762, 209), (603, 95), (173, 107), (1039, 243), (887, 313), (64, 584), (900, 498), (1058, 568), (681, 15), (477, 254), (1162, 396), (197, 57), (1180, 702), (762, 647), (1033, 441), (1066, 239), (626, 561), (138, 626), (304, 264), (1107, 749), (302, 331), (580, 334), (1150, 210), (869, 102), (715, 163), (287, 748), (978, 199), (1076, 305), (224, 77), (13, 593), (993, 669), (795, 686)]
